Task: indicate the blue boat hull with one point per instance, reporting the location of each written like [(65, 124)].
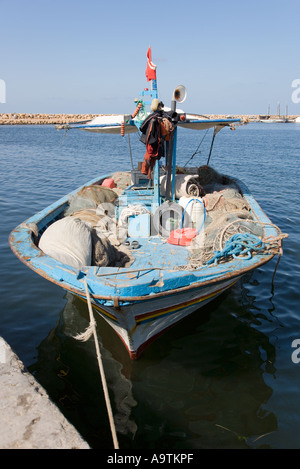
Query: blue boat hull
[(144, 300)]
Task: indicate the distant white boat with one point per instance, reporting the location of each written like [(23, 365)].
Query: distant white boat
[(273, 121), (297, 120)]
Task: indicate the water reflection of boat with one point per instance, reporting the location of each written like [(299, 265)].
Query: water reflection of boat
[(213, 395), (67, 369)]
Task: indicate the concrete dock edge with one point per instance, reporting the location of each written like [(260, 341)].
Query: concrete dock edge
[(28, 418)]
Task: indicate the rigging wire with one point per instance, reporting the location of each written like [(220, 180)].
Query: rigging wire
[(197, 150)]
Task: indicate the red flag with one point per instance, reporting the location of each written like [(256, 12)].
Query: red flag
[(151, 68)]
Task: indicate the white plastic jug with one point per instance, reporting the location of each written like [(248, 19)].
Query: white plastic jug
[(194, 208)]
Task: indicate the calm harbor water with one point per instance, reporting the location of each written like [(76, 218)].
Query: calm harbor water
[(223, 378)]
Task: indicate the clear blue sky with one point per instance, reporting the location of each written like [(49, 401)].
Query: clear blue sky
[(70, 56)]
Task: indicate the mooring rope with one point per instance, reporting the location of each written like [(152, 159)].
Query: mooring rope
[(84, 337)]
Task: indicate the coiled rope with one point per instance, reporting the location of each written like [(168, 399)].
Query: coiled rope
[(270, 240), (271, 244), (238, 245), (84, 337)]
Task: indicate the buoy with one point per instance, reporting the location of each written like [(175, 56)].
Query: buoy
[(122, 129), (137, 110)]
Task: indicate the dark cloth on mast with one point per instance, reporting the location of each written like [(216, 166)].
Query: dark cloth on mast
[(153, 136)]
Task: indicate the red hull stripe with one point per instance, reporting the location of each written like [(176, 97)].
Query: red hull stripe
[(151, 316)]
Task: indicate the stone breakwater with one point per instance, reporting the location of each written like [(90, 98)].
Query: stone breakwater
[(52, 119), (40, 119)]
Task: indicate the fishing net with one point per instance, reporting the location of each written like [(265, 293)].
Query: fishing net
[(105, 253), (106, 238), (90, 197), (95, 206), (224, 200), (208, 175), (227, 214), (218, 232), (122, 179)]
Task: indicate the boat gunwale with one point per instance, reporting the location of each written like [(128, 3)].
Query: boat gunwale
[(195, 285), (85, 271)]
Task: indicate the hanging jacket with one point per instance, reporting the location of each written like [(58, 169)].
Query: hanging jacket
[(154, 149)]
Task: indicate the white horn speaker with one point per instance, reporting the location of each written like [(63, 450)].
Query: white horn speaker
[(179, 94)]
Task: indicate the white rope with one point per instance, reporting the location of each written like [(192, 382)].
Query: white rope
[(84, 337)]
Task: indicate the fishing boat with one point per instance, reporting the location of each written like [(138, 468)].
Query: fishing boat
[(149, 246)]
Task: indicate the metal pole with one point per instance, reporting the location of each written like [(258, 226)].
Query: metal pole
[(174, 162), (170, 184), (170, 170), (211, 146), (130, 151)]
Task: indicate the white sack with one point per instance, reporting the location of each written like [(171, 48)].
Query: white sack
[(69, 241)]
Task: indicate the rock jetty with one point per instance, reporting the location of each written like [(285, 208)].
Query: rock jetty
[(60, 119), (40, 119)]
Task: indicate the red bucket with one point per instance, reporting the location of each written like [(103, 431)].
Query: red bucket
[(182, 236)]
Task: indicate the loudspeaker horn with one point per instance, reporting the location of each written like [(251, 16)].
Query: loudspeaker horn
[(179, 94)]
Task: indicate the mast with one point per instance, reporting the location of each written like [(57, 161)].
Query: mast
[(179, 95), (152, 93), (278, 108)]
